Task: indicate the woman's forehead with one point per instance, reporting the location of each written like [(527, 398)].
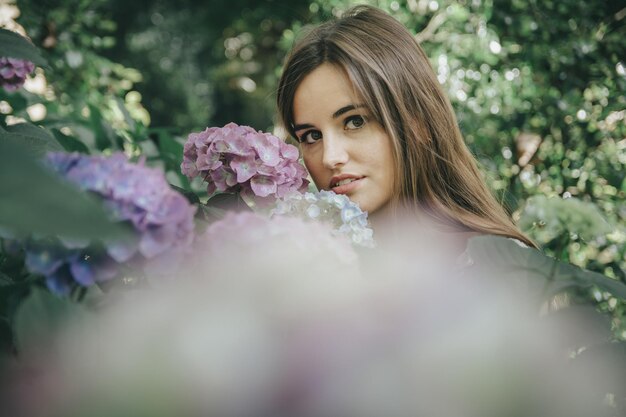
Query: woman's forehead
[(324, 85), (325, 91)]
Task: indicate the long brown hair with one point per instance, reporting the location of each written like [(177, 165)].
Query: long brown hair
[(389, 70)]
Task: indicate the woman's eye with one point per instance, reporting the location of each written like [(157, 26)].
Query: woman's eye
[(311, 136), (355, 122)]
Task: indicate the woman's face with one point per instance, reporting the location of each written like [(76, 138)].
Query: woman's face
[(344, 149)]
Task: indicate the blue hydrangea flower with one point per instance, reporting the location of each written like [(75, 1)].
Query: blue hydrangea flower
[(161, 218), (338, 210)]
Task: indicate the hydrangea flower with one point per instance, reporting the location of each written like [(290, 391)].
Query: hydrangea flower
[(13, 72), (239, 159), (271, 240), (548, 218), (161, 218), (338, 210)]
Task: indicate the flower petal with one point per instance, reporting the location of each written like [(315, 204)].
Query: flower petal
[(263, 186), (244, 167)]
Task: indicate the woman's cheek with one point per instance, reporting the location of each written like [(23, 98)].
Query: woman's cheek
[(313, 164)]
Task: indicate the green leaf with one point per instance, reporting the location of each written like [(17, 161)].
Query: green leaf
[(559, 287), (170, 149), (504, 253), (168, 144), (37, 140), (35, 200), (505, 256), (127, 117), (39, 317), (6, 338), (105, 137), (18, 100), (605, 283), (5, 279), (189, 195), (16, 46), (70, 143), (583, 278), (228, 201)]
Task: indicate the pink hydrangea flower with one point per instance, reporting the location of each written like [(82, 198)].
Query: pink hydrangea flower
[(240, 159), (273, 240), (13, 72)]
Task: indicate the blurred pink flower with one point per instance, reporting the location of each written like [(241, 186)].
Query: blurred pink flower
[(273, 239)]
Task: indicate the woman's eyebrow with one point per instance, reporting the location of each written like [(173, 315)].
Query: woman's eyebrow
[(346, 109), (336, 114), (302, 126)]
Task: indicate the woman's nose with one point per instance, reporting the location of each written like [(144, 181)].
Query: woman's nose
[(335, 151)]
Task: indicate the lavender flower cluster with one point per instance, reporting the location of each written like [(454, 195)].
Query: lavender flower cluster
[(162, 221), (338, 210), (13, 72), (239, 159)]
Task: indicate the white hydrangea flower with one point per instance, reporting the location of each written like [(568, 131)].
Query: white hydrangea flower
[(343, 215)]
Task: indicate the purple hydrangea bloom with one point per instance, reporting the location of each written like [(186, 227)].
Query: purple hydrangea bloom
[(161, 218), (13, 72), (239, 159)]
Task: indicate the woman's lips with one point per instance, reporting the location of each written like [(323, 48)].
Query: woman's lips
[(349, 187)]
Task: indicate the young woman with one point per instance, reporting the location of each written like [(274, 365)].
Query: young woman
[(360, 96)]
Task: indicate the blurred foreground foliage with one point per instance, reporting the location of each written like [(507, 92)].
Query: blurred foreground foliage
[(539, 89)]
